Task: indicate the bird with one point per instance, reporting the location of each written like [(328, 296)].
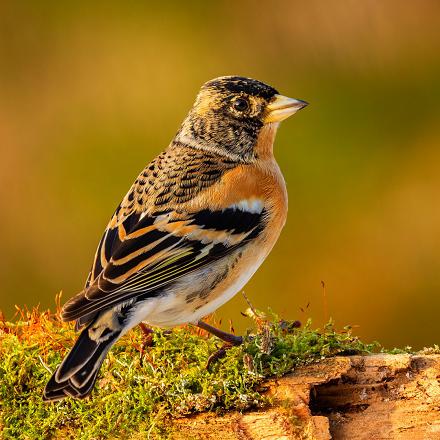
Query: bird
[(192, 230)]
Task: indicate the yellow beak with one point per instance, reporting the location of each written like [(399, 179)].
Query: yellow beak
[(282, 107)]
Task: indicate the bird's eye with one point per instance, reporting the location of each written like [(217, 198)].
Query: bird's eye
[(241, 104)]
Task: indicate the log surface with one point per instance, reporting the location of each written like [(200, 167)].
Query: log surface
[(373, 397)]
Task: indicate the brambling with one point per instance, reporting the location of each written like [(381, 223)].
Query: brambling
[(191, 231)]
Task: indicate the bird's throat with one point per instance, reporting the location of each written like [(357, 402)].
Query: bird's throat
[(265, 140)]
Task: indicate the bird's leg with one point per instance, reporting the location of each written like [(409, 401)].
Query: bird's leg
[(230, 341), (147, 338), (224, 336), (147, 333)]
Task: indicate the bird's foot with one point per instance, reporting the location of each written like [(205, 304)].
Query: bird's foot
[(230, 339), (217, 355)]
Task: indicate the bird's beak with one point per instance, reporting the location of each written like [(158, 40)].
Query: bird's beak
[(282, 107)]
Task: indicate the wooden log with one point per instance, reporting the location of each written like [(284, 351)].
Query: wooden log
[(373, 397)]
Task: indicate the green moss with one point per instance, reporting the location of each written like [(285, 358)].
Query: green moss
[(140, 390)]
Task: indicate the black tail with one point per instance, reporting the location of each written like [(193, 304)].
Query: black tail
[(77, 374)]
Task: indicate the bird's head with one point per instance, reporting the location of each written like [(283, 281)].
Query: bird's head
[(230, 114)]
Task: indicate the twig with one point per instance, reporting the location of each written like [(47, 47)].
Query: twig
[(325, 304), (44, 365), (250, 305)]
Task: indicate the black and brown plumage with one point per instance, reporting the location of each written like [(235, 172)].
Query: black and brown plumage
[(191, 231)]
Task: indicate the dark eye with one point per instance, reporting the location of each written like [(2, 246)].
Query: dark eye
[(241, 104)]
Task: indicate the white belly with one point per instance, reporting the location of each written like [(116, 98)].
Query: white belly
[(173, 309)]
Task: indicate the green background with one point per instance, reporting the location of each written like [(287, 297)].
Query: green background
[(89, 94)]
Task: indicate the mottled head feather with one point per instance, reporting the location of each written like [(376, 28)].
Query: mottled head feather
[(216, 124), (239, 84)]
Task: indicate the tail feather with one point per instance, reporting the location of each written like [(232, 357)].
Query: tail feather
[(78, 372), (55, 391), (79, 355), (81, 378)]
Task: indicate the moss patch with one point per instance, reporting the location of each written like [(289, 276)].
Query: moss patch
[(141, 390)]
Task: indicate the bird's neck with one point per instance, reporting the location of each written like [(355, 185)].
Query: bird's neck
[(217, 136), (265, 141)]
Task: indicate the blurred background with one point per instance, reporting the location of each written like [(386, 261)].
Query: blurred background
[(90, 93)]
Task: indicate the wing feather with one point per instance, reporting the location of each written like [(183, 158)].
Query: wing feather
[(156, 251)]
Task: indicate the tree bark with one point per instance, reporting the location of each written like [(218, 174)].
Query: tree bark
[(344, 398)]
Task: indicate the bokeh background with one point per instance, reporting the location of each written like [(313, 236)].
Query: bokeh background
[(90, 93)]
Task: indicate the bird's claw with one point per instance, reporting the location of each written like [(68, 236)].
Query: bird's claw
[(217, 355)]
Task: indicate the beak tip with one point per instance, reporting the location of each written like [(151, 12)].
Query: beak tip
[(302, 104)]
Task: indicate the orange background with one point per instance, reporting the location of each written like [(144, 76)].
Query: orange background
[(89, 94)]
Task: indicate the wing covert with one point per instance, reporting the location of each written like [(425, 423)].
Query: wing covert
[(143, 254)]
